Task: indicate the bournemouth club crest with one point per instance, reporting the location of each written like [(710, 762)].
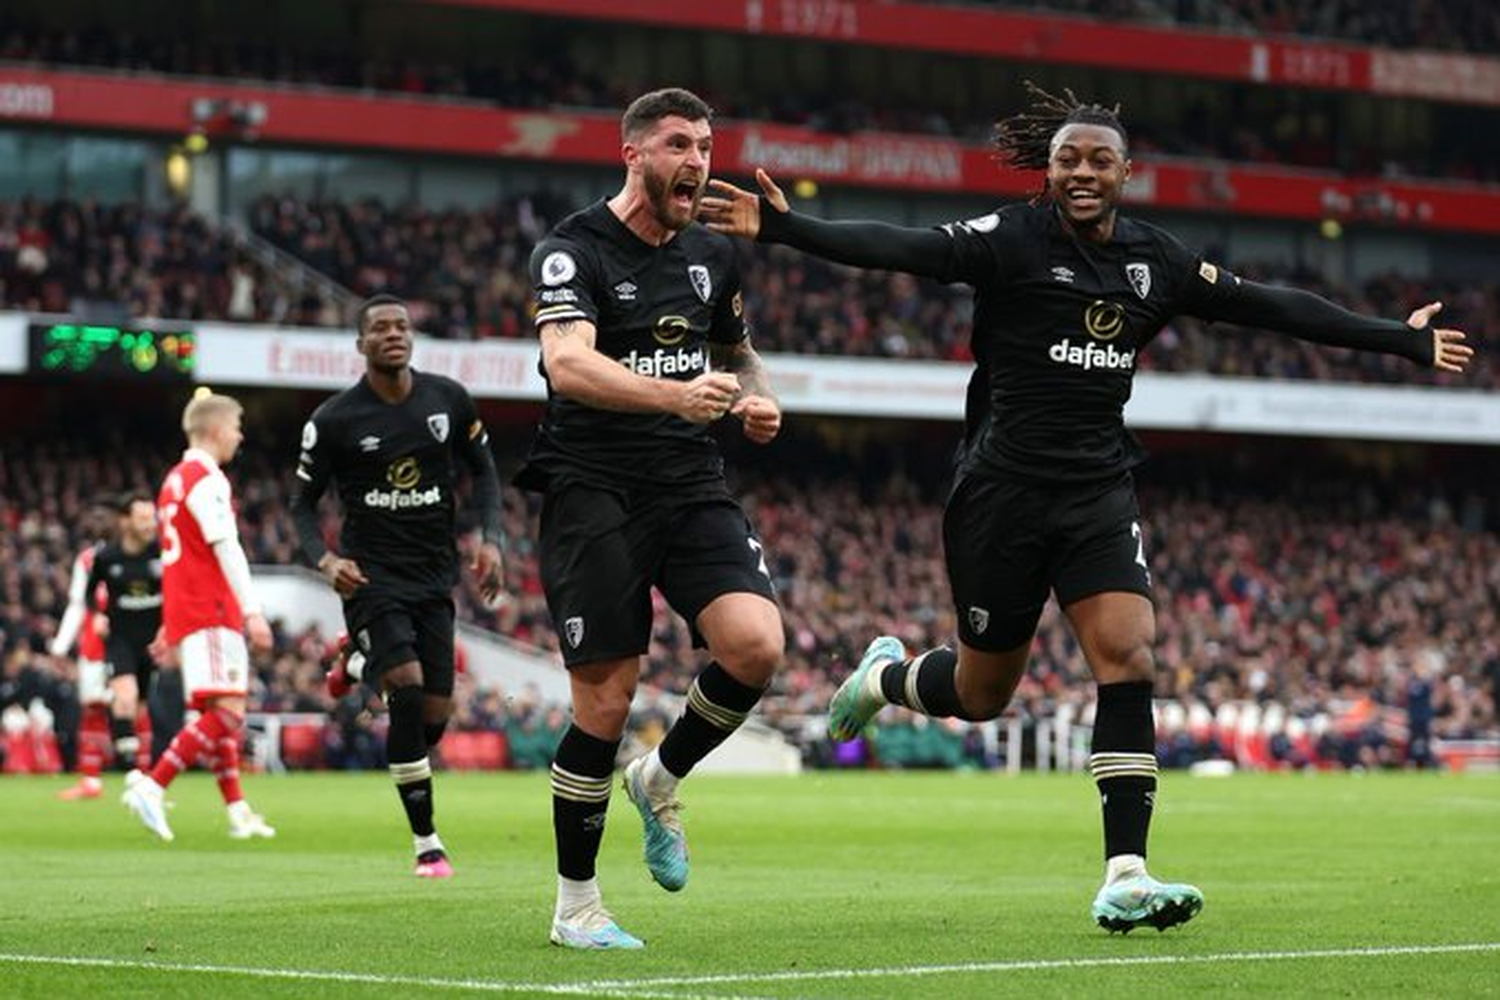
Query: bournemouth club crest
[(698, 275), (979, 619)]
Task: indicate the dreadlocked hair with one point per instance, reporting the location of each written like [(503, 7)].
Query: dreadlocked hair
[(1024, 140)]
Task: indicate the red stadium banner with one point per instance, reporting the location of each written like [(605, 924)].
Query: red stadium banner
[(243, 113), (1038, 38)]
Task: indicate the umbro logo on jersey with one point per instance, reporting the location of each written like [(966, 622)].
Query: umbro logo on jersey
[(438, 424), (1063, 274), (698, 275), (369, 443), (625, 291), (1140, 278)]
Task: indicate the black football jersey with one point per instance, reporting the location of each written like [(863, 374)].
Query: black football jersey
[(133, 584), (395, 466), (656, 309), (1058, 325)]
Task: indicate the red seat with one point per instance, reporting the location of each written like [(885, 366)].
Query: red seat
[(476, 751), (302, 745)]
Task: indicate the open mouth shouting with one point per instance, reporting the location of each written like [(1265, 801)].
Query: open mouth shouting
[(683, 194)]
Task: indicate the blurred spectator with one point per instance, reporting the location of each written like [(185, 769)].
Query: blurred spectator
[(1334, 598)]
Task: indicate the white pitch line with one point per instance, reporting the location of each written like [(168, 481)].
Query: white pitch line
[(660, 988), (1026, 965), (647, 990)]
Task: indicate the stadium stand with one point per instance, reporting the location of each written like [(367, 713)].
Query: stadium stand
[(464, 271), (1299, 626), (1309, 129), (1315, 606)]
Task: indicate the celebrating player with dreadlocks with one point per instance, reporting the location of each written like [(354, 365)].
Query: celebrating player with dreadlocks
[(1066, 293)]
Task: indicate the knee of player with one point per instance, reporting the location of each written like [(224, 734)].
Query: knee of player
[(1126, 661), (755, 660), (603, 716)]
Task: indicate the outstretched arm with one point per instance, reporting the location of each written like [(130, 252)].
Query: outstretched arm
[(1311, 317), (767, 217)]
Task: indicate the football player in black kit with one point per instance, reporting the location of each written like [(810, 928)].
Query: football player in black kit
[(394, 443), (1066, 293), (130, 569), (643, 346)]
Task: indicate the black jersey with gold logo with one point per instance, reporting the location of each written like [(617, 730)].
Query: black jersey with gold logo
[(1058, 325), (395, 466), (656, 310)]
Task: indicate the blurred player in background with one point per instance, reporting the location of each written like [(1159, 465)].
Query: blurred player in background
[(644, 344), (209, 608), (129, 571), (79, 624), (1044, 502), (394, 443)]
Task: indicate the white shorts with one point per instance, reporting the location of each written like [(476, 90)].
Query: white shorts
[(215, 663), (93, 682)]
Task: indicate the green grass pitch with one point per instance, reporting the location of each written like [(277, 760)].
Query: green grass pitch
[(824, 885)]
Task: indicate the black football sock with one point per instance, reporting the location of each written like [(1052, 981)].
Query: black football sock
[(716, 706), (581, 776), (433, 732), (924, 683), (406, 750), (127, 744), (1123, 762)]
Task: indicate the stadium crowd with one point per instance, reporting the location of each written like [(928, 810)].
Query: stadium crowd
[(127, 261), (464, 272), (1311, 132), (1334, 603)]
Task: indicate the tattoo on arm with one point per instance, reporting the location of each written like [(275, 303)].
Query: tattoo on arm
[(740, 359), (564, 328)]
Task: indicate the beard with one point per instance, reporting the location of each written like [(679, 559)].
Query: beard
[(659, 191)]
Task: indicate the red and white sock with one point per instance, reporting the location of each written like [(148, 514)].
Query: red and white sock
[(202, 737), (93, 741), (226, 768), (143, 733)]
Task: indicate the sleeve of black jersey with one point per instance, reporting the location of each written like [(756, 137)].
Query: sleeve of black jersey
[(949, 254), (313, 475), (474, 447), (729, 325), (562, 282), (1216, 295)]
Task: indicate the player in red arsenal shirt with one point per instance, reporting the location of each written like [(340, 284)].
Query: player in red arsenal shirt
[(208, 610)]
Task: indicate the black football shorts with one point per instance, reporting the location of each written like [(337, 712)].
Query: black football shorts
[(125, 658), (1011, 542), (390, 631), (602, 552)]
